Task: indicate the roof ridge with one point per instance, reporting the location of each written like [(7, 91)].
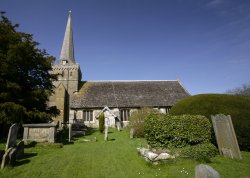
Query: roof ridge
[(132, 81)]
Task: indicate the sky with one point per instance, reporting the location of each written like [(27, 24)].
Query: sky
[(205, 44)]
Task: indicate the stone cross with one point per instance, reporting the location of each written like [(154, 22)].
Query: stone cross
[(11, 140), (106, 124), (225, 136)]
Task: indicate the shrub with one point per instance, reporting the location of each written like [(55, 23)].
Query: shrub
[(203, 152), (101, 122), (136, 120), (210, 104), (176, 131)]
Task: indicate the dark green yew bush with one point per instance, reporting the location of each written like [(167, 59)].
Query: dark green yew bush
[(101, 122), (176, 131)]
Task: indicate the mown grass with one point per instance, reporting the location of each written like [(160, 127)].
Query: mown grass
[(116, 158)]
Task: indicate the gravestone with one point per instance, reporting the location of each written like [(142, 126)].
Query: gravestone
[(106, 124), (132, 133), (20, 150), (70, 132), (205, 171), (6, 158), (11, 140), (12, 156), (225, 136)]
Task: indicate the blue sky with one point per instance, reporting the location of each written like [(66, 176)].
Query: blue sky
[(203, 43)]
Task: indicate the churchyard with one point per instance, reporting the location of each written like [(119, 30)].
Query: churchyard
[(91, 157)]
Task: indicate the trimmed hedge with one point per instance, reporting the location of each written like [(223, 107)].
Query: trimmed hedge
[(199, 152), (210, 104), (176, 131)]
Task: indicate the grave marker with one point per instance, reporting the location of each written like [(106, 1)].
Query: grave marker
[(205, 171), (11, 140), (225, 136)]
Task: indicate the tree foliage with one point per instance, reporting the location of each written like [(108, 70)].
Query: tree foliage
[(101, 122), (25, 81), (136, 120), (244, 90)]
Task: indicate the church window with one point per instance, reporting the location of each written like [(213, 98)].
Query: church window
[(70, 74), (87, 115), (124, 114)]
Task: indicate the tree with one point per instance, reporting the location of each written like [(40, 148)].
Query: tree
[(25, 80), (244, 90)]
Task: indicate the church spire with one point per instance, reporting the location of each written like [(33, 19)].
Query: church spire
[(67, 52)]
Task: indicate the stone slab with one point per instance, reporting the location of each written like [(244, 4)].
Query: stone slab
[(225, 136), (11, 140)]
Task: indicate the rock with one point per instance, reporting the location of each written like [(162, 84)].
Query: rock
[(163, 156), (151, 155), (142, 151), (205, 171)]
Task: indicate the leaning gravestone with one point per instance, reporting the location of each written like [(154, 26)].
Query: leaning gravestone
[(6, 158), (205, 171), (11, 140), (225, 136)]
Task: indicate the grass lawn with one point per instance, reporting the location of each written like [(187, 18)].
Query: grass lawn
[(116, 158)]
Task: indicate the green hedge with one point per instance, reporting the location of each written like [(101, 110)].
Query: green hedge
[(210, 104), (176, 131), (204, 152)]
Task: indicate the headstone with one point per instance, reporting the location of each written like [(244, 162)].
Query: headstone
[(225, 136), (70, 132), (106, 124), (5, 159), (12, 156), (20, 150), (11, 140), (205, 171), (132, 133)]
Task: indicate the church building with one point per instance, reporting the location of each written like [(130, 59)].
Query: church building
[(83, 101)]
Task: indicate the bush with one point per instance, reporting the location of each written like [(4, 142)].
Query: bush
[(210, 104), (136, 120), (199, 152), (101, 122), (176, 131)]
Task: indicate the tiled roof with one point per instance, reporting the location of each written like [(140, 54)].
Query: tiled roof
[(98, 94)]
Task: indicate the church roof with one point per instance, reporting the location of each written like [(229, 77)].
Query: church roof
[(98, 94)]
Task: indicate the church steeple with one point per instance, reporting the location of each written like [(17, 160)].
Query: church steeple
[(67, 52)]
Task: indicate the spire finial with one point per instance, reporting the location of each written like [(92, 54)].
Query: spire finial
[(67, 52)]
